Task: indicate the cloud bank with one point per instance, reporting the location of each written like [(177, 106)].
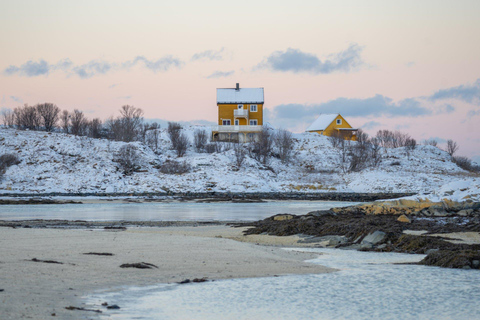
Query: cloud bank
[(220, 74), (91, 68), (469, 93), (296, 61), (209, 55)]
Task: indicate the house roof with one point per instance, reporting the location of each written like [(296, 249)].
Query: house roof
[(242, 95), (322, 122)]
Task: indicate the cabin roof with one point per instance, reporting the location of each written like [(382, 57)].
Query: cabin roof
[(322, 122), (242, 95)]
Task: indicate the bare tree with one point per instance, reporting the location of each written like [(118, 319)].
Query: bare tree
[(200, 139), (94, 128), (26, 117), (152, 136), (65, 121), (173, 132), (261, 149), (376, 156), (335, 138), (181, 144), (8, 118), (284, 143), (131, 120), (79, 123), (452, 147), (240, 154), (48, 112)]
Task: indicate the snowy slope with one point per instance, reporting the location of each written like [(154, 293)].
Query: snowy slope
[(55, 162)]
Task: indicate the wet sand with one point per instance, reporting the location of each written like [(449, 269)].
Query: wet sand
[(40, 290)]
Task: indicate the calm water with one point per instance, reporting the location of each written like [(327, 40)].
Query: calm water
[(178, 211), (367, 287)]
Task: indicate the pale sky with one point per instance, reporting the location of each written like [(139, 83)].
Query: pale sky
[(412, 66)]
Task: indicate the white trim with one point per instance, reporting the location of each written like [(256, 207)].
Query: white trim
[(226, 122), (237, 122), (339, 121), (254, 122), (252, 107)]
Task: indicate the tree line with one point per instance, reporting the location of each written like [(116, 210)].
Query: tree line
[(128, 126)]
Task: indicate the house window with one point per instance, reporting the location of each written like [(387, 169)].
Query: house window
[(236, 122), (226, 122), (240, 106), (254, 122), (253, 108), (339, 121)]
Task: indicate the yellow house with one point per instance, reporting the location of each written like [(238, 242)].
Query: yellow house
[(240, 114), (331, 125)]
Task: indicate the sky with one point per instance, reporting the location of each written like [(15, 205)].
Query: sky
[(412, 66)]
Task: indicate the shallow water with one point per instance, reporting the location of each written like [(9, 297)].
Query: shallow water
[(178, 211), (367, 287)]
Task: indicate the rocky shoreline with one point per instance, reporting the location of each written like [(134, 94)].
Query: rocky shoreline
[(385, 227), (37, 198)]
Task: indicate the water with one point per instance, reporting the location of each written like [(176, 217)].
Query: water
[(367, 287), (178, 211)]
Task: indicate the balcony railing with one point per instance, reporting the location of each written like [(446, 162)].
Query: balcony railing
[(237, 128), (240, 113)]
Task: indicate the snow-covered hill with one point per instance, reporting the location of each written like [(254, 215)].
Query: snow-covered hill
[(55, 162)]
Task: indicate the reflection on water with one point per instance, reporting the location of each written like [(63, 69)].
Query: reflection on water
[(367, 287), (178, 211)]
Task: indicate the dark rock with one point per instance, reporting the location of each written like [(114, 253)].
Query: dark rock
[(99, 253), (113, 306), (139, 265), (459, 259)]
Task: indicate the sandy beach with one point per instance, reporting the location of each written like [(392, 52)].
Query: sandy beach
[(40, 290)]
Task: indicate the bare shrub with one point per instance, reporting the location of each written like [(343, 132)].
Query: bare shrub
[(431, 142), (78, 123), (175, 167), (240, 154), (284, 143), (128, 158), (452, 147), (410, 144), (65, 121), (8, 160), (359, 157), (212, 147), (395, 163), (48, 112), (466, 164), (261, 149), (200, 139)]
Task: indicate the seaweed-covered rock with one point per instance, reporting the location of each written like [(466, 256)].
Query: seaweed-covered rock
[(459, 259)]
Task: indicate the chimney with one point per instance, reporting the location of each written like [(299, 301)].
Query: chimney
[(237, 87)]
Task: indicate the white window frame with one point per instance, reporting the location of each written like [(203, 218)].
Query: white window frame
[(339, 121), (237, 122), (254, 122), (226, 122), (253, 108), (240, 106)]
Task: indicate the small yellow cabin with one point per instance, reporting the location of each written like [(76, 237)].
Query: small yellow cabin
[(240, 114), (333, 125)]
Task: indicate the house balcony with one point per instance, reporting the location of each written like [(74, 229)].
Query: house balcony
[(240, 113), (232, 129)]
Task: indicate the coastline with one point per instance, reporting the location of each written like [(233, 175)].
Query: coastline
[(38, 289)]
